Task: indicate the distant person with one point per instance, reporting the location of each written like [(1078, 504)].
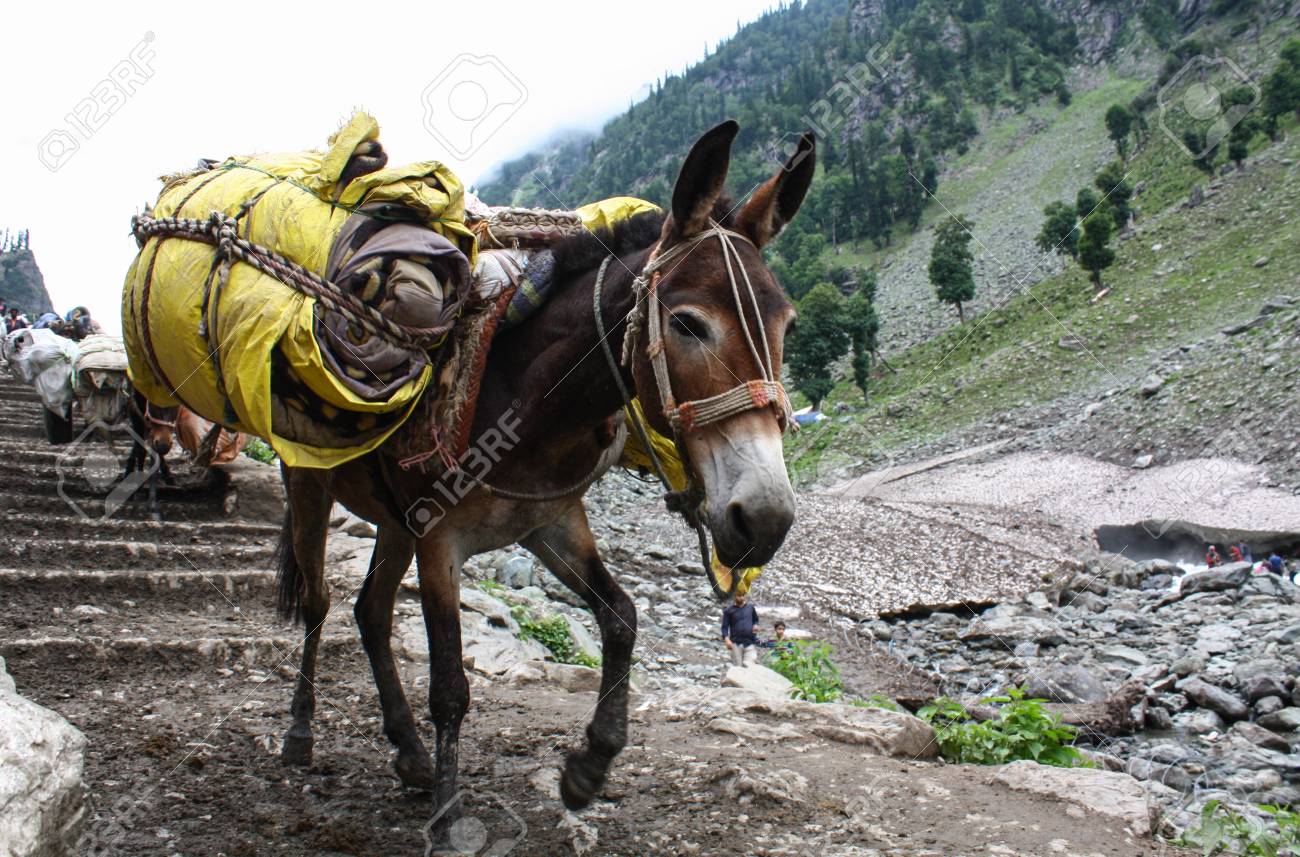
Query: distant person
[(17, 321), (49, 321), (1234, 553), (1212, 557), (1275, 563), (79, 324), (778, 640), (739, 623), (1246, 554)]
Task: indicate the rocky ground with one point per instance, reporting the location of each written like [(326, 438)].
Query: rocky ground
[(159, 643)]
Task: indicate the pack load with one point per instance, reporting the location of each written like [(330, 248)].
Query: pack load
[(100, 381), (308, 298), (45, 361)]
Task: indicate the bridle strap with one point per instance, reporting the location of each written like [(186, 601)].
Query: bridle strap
[(690, 416)]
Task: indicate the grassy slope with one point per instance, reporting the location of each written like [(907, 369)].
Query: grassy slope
[(1202, 278)]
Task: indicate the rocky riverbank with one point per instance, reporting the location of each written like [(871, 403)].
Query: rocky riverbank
[(1187, 682)]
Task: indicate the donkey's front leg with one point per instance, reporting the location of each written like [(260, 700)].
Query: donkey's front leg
[(568, 549), (439, 566)]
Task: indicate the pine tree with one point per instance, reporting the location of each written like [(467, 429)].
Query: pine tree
[(864, 326), (819, 339), (1095, 253), (1115, 188), (1119, 122), (950, 264), (1060, 232)]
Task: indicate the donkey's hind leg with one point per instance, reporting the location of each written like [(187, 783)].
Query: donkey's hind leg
[(304, 596), (568, 550), (394, 548)]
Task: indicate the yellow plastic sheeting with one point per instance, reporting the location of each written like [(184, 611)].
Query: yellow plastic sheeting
[(605, 213), (296, 210)]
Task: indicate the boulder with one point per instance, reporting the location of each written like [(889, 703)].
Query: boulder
[(516, 573), (1260, 686), (1228, 576), (583, 640), (1261, 737), (750, 730), (1266, 705), (1107, 793), (496, 611), (760, 680), (1068, 684), (1227, 705), (1151, 385), (1008, 624), (42, 798), (1282, 720), (573, 678), (877, 730)]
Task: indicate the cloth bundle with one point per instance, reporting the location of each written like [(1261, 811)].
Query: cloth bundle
[(100, 379), (304, 298), (45, 361)]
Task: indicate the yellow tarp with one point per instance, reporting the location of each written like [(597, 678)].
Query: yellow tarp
[(298, 210)]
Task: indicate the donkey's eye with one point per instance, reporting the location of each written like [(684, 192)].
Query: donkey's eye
[(689, 325)]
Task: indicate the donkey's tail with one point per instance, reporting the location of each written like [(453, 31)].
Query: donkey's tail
[(288, 579)]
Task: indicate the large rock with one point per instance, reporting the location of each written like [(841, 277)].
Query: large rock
[(1229, 576), (42, 808), (1066, 683), (760, 680), (1106, 793), (496, 611), (1283, 720), (1008, 624), (888, 733), (1227, 705)]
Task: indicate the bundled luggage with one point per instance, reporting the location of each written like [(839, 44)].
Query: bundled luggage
[(305, 298)]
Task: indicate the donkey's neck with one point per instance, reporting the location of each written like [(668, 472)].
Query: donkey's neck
[(551, 369)]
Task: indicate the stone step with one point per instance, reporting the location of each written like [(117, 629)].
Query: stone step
[(118, 554), (151, 656), (44, 498), (62, 523), (184, 589)]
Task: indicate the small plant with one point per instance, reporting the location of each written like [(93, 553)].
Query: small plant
[(259, 450), (491, 587), (1222, 830), (875, 700), (1023, 729), (553, 633), (808, 665)]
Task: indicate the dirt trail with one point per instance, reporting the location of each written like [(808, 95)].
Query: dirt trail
[(159, 642)]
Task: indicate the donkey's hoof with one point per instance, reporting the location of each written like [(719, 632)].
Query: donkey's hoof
[(296, 749), (579, 782), (415, 770)]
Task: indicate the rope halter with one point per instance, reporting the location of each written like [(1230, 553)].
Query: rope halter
[(763, 392)]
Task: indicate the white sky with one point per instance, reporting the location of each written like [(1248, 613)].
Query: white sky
[(248, 78)]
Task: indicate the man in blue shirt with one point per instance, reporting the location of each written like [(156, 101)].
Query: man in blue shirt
[(739, 622)]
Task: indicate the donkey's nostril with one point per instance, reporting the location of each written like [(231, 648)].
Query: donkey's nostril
[(740, 523)]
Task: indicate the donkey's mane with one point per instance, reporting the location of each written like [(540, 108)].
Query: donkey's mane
[(583, 252)]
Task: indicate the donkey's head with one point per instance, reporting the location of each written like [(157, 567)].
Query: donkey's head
[(723, 319)]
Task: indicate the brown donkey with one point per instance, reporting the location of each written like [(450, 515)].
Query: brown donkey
[(711, 330)]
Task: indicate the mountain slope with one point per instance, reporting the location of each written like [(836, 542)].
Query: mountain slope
[(21, 282)]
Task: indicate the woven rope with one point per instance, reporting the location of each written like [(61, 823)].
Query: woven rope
[(222, 232)]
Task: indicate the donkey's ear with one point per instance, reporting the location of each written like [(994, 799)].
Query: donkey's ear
[(700, 182), (774, 204)]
